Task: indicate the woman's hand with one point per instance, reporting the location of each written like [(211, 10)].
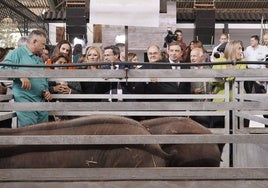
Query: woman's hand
[(64, 89)]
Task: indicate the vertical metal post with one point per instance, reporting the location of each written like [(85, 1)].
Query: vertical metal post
[(25, 27), (126, 43), (226, 29)]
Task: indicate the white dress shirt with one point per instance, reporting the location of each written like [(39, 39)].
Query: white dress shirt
[(257, 54), (175, 67)]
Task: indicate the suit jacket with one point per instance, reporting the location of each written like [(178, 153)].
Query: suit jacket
[(106, 86), (162, 87)]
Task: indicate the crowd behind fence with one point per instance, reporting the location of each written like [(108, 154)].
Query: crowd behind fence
[(245, 106)]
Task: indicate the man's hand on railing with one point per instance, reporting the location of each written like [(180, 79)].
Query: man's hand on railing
[(47, 95), (197, 90), (25, 83)]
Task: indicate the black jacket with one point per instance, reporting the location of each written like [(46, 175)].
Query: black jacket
[(162, 87), (105, 87)]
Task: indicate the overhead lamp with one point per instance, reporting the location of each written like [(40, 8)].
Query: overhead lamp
[(120, 39)]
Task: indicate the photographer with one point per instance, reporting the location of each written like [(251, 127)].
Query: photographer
[(179, 34), (220, 52), (176, 36), (222, 39)]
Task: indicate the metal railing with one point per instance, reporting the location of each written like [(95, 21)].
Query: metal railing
[(243, 105)]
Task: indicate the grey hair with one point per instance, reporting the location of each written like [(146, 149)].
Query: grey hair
[(22, 41)]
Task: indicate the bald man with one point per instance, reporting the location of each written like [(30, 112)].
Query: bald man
[(154, 53), (197, 56), (155, 87)]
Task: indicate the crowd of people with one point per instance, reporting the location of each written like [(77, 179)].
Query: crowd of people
[(33, 50)]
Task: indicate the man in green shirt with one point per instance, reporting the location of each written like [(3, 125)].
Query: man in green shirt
[(30, 89)]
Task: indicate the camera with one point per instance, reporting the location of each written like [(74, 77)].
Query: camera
[(217, 55), (266, 57), (169, 38), (220, 49)]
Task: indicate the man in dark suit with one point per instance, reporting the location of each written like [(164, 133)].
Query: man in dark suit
[(154, 55), (112, 55)]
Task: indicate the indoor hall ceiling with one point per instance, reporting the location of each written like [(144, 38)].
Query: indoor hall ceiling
[(223, 4), (226, 15), (29, 14), (231, 11), (40, 6), (21, 15), (226, 10)]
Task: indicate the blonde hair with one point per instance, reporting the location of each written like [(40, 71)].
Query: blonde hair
[(230, 50), (97, 49)]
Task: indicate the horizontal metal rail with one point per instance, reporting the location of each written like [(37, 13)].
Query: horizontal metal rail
[(143, 75), (137, 96), (131, 139), (7, 115), (6, 97), (253, 97), (141, 106), (106, 174), (139, 113), (249, 116)]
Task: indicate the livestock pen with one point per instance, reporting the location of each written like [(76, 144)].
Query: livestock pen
[(245, 162)]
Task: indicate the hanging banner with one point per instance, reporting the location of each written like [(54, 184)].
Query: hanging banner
[(125, 12)]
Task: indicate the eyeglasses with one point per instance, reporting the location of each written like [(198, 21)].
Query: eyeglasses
[(153, 53)]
